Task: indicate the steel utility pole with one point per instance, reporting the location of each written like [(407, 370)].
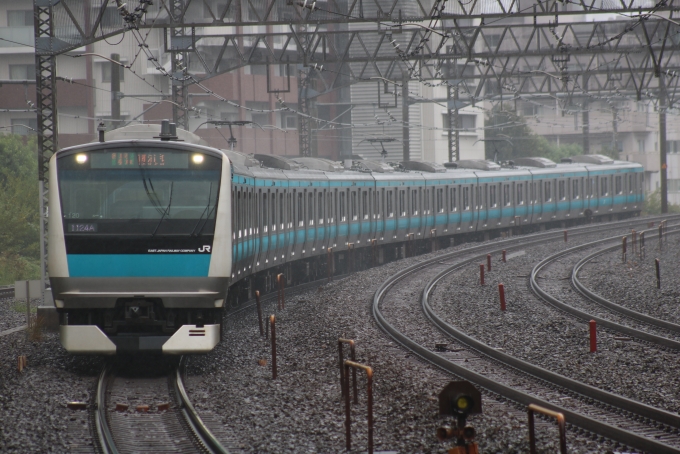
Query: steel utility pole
[(663, 168), (115, 90), (404, 116)]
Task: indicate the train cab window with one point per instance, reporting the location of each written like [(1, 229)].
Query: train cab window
[(466, 198), (520, 194), (301, 210), (492, 197), (547, 194), (390, 204), (603, 187), (454, 200), (618, 189), (319, 210), (440, 200), (343, 215), (364, 204), (575, 193), (506, 195), (310, 208), (561, 192)]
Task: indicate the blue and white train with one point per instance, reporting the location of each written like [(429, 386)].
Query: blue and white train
[(150, 240)]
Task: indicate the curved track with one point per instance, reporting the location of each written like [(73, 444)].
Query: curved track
[(637, 318), (615, 417), (169, 424)]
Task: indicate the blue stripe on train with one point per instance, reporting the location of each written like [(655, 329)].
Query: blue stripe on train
[(138, 265)]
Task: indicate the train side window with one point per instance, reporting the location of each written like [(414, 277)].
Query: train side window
[(301, 209), (631, 183), (440, 200), (414, 202), (290, 210), (281, 210), (478, 197), (402, 208), (390, 209), (547, 191), (250, 212), (364, 204), (310, 207), (426, 205), (575, 194), (329, 206), (265, 213), (617, 185), (272, 201), (454, 200), (343, 216), (561, 193), (492, 197), (603, 187), (319, 208), (239, 208), (520, 194), (506, 195), (354, 205), (466, 198)]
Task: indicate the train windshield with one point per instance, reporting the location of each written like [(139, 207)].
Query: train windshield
[(139, 191)]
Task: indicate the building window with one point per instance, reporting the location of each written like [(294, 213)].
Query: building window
[(20, 18), (24, 126), (288, 120), (257, 115), (467, 122), (641, 146), (22, 72)]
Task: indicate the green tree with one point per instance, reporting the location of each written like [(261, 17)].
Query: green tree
[(19, 209), (653, 204), (508, 137)]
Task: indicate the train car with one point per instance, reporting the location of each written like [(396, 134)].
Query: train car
[(140, 248), (150, 240)]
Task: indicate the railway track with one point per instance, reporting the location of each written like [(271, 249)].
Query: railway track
[(625, 321), (7, 292), (149, 412), (624, 420)]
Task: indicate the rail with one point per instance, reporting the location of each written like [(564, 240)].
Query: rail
[(575, 418), (198, 430)]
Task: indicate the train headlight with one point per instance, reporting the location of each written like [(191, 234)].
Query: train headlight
[(81, 158), (198, 158)]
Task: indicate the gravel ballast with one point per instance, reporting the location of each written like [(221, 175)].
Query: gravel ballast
[(301, 411)]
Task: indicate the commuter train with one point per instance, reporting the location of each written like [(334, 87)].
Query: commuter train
[(150, 240)]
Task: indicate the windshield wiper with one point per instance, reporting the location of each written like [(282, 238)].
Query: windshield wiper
[(167, 210), (157, 202), (204, 211)]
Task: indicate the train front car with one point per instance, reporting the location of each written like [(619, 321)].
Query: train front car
[(139, 246)]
